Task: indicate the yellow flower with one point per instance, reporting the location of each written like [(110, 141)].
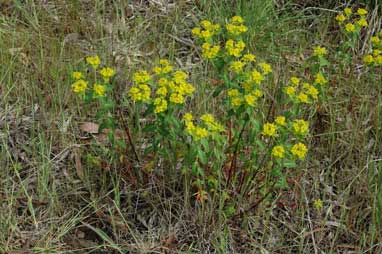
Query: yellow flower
[(299, 150), (211, 123), (362, 22), (377, 52), (361, 11), (140, 93), (93, 61), (280, 120), (162, 91), (320, 79), (107, 73), (135, 94), (196, 31), (237, 66), (319, 51), (290, 90), (257, 92), (265, 67), (164, 67), (302, 97), (349, 27), (209, 51), (348, 11), (318, 204), (368, 59), (99, 90), (185, 88), (300, 127), (250, 99), (236, 29), (199, 133), (177, 98), (233, 93), (278, 152), (188, 117), (312, 91), (249, 58), (236, 102), (206, 34), (257, 77), (295, 81), (375, 40), (145, 92), (378, 60), (234, 48), (160, 105), (77, 75), (79, 86), (180, 77), (237, 19), (340, 18), (206, 24), (269, 129), (141, 77)]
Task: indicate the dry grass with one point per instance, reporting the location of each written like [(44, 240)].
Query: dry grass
[(59, 195)]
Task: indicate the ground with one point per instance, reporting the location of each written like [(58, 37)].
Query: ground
[(59, 194)]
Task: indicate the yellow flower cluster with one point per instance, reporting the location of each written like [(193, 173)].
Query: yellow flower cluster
[(210, 51), (298, 150), (94, 61), (211, 126), (278, 152), (319, 51), (141, 77), (300, 127), (249, 91), (352, 25), (77, 75), (140, 92), (375, 57), (107, 73), (235, 26), (171, 86), (79, 86), (238, 99), (303, 92), (318, 204), (99, 90), (206, 31), (269, 129), (163, 68), (234, 48), (211, 123), (160, 105)]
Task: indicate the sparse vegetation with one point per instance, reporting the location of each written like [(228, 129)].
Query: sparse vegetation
[(190, 126)]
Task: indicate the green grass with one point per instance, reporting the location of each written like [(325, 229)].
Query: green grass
[(51, 205)]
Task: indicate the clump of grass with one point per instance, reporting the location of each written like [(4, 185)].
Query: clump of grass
[(48, 200)]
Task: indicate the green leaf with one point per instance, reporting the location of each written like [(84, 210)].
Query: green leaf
[(104, 237), (323, 61), (261, 145), (289, 163), (202, 156), (281, 182), (149, 128), (218, 90)]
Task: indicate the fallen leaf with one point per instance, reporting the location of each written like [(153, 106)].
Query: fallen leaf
[(90, 127), (78, 164)]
